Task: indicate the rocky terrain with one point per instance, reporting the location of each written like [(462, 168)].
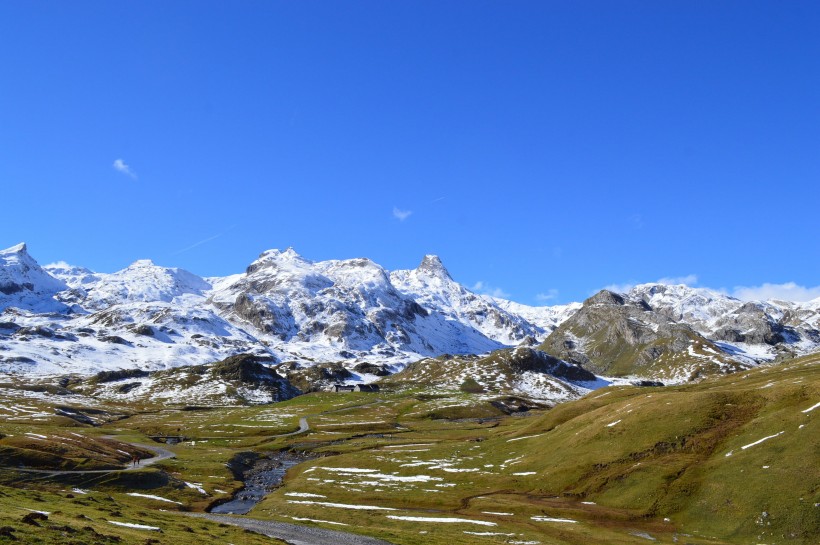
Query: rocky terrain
[(352, 320)]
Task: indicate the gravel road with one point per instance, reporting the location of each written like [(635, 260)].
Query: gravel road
[(294, 533)]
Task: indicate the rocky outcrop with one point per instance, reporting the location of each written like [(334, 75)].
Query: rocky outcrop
[(617, 336)]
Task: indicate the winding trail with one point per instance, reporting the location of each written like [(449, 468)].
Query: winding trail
[(294, 534), (161, 454)]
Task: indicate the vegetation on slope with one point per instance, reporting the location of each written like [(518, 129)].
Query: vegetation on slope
[(730, 460)]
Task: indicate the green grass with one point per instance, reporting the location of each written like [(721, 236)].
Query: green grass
[(661, 468)]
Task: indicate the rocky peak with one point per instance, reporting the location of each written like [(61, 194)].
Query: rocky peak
[(23, 283), (141, 264), (274, 257), (606, 297), (432, 266), (17, 249)]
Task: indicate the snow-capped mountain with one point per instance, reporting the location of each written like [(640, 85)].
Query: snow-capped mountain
[(757, 329), (283, 307), (339, 310), (431, 285), (290, 310), (26, 285)]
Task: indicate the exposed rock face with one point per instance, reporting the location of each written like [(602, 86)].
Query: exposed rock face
[(616, 336), (752, 324), (431, 265), (26, 285), (61, 318), (527, 359)]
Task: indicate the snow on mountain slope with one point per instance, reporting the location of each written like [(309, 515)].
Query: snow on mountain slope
[(143, 281), (71, 275), (431, 285), (544, 318), (26, 285), (339, 309), (146, 335), (759, 330), (286, 308)]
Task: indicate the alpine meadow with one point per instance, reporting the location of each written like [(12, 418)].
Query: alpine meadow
[(409, 273)]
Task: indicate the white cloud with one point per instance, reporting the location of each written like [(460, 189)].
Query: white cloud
[(120, 166), (401, 215), (688, 280), (548, 296), (485, 289), (789, 291), (618, 288)]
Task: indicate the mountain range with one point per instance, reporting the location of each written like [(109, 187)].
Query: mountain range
[(287, 310)]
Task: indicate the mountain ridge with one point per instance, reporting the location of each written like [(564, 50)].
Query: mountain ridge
[(287, 308)]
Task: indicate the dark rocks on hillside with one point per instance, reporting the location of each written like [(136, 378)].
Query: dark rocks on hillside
[(243, 368), (17, 359), (8, 327), (249, 370), (144, 329), (751, 324), (34, 517), (647, 383), (317, 377), (12, 288), (36, 331), (526, 359), (529, 341), (371, 369), (114, 339), (127, 387), (112, 376), (266, 316)]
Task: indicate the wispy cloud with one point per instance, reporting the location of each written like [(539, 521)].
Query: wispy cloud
[(485, 289), (203, 241), (548, 296), (688, 280), (636, 220), (619, 288), (120, 166), (790, 291), (438, 200), (401, 215)]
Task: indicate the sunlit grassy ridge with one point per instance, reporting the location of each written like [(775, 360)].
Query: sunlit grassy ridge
[(729, 460)]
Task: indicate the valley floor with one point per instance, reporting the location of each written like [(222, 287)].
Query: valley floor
[(726, 461)]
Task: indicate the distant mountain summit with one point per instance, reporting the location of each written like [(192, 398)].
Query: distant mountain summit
[(366, 321), (26, 285)]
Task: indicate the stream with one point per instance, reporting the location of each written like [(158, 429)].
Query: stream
[(260, 476)]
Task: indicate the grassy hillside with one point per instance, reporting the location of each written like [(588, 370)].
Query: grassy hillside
[(731, 460)]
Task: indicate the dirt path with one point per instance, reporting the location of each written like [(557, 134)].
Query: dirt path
[(161, 454), (294, 533)]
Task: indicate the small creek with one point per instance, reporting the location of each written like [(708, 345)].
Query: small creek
[(260, 476)]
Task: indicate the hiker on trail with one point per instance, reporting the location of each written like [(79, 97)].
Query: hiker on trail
[(135, 460)]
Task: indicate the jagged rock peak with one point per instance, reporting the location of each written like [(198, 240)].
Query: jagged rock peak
[(288, 253), (17, 249), (271, 257), (141, 263), (432, 265), (605, 297)]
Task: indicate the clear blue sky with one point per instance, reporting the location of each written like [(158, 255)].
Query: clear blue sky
[(540, 147)]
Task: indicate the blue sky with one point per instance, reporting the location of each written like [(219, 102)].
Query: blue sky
[(542, 149)]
